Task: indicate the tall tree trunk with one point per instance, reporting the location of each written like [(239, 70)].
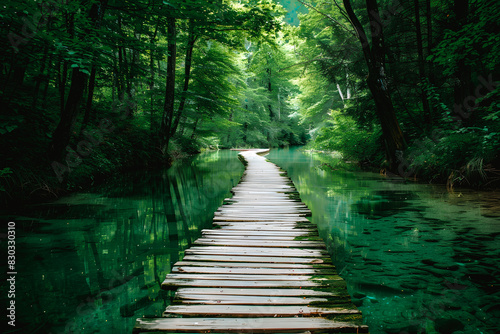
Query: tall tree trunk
[(377, 83), (428, 14), (152, 75), (463, 84), (62, 134), (62, 83), (41, 77), (90, 96), (187, 75), (168, 109), (421, 65)]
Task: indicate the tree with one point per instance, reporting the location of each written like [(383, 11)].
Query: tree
[(377, 82), (62, 134)]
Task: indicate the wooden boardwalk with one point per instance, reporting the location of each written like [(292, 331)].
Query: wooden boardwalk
[(262, 269)]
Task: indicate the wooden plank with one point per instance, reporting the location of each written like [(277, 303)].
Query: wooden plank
[(260, 219), (243, 251), (262, 292), (265, 215), (265, 227), (186, 298), (247, 325), (256, 311), (260, 243), (293, 252), (252, 277), (270, 211), (257, 259), (252, 271), (243, 237), (254, 265), (226, 231), (263, 209), (255, 213), (275, 224), (244, 205), (174, 283)]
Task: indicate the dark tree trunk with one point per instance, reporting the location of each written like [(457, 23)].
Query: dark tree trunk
[(377, 83), (194, 128), (463, 85), (42, 76), (62, 84), (421, 64), (90, 96), (62, 134), (428, 14), (152, 75), (187, 75), (168, 109)]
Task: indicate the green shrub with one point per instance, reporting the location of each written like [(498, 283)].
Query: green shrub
[(353, 142)]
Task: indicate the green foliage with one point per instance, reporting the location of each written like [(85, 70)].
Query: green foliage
[(353, 142), (476, 43)]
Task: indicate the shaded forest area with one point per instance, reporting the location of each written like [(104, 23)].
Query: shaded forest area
[(92, 87)]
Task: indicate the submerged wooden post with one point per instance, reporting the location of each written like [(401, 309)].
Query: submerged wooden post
[(263, 269)]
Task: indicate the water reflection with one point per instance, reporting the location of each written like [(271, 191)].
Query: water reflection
[(417, 258), (93, 262)]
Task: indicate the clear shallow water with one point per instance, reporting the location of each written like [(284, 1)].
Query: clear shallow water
[(416, 258), (93, 262)]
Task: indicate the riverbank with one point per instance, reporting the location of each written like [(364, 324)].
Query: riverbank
[(33, 178), (478, 176)]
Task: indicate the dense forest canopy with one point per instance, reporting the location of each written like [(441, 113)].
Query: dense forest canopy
[(94, 86)]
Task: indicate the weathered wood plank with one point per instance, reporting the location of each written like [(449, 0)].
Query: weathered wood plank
[(252, 277), (261, 265), (247, 300), (256, 214), (260, 243), (251, 271), (243, 237), (265, 227), (255, 251), (257, 259), (236, 204), (274, 224), (227, 232), (255, 311), (174, 283), (247, 325), (260, 219), (262, 292)]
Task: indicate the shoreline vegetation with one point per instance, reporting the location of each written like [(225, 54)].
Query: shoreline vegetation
[(38, 187), (90, 90)]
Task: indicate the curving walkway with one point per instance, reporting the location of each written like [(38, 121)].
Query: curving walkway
[(262, 269)]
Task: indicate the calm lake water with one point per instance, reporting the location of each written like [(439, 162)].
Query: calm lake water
[(417, 259)]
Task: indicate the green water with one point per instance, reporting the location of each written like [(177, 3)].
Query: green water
[(417, 259), (93, 262)]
